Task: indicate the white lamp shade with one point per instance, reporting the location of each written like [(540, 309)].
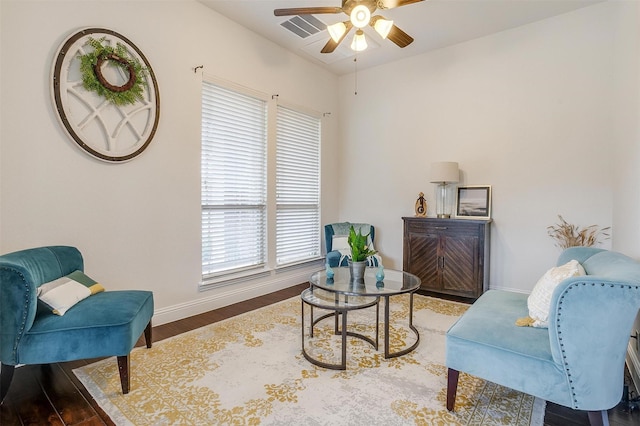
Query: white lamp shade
[(337, 30), (359, 42), (382, 27), (445, 172), (360, 16)]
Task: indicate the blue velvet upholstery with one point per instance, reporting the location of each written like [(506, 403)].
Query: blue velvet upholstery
[(104, 324), (578, 361), (334, 257)]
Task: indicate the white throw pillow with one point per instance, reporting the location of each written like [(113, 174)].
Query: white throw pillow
[(340, 243), (539, 300), (62, 294)]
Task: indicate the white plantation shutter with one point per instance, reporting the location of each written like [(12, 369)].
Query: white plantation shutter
[(297, 187), (233, 180)]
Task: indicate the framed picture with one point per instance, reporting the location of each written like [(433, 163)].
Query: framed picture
[(473, 202)]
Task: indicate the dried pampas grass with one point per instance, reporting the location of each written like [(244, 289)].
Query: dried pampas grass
[(567, 235)]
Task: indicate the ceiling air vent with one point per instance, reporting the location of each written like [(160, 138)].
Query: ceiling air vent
[(304, 25)]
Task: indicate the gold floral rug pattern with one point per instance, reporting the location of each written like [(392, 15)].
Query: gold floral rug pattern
[(249, 370)]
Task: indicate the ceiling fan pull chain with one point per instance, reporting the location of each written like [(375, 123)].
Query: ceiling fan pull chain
[(355, 60)]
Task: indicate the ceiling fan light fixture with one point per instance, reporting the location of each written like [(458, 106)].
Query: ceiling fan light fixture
[(383, 27), (359, 42), (336, 31), (360, 16)]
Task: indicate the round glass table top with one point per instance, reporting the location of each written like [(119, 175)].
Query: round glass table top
[(394, 282)]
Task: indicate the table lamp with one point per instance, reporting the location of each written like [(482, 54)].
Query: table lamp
[(443, 173)]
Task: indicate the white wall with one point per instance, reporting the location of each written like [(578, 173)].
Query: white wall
[(528, 111), (137, 223), (1, 115), (626, 128), (540, 112), (626, 131)]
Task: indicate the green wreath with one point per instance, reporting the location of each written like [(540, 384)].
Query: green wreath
[(93, 80)]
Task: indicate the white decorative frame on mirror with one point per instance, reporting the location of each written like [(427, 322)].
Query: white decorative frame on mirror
[(108, 132)]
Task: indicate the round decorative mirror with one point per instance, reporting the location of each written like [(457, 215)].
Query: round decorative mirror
[(105, 94)]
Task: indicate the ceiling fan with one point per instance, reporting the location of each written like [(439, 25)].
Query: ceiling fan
[(360, 13)]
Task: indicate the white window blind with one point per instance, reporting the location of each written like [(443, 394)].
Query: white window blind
[(233, 181), (297, 187)]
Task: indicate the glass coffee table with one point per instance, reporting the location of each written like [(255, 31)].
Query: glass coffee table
[(350, 295)]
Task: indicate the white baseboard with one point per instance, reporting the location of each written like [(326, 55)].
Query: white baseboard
[(513, 290), (228, 295)]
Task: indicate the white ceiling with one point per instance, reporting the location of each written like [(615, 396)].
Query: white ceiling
[(432, 23)]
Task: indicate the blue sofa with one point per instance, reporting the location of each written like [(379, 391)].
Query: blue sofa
[(578, 362), (105, 324)]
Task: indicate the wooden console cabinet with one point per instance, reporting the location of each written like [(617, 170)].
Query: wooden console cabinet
[(450, 256)]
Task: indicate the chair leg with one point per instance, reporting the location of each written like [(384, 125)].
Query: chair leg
[(124, 363), (452, 387), (147, 335), (598, 418), (6, 374), (123, 368)]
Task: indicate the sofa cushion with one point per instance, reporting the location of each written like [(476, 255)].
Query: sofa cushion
[(485, 337), (63, 293), (340, 243), (106, 324), (540, 298)]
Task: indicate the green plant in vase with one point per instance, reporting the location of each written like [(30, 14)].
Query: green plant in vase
[(360, 251), (359, 246)]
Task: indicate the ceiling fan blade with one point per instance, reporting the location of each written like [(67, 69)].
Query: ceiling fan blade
[(399, 37), (306, 11), (331, 45), (390, 4)]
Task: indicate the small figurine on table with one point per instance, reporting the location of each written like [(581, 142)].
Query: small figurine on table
[(421, 206)]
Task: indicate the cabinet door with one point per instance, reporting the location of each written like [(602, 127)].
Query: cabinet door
[(460, 265), (423, 259)]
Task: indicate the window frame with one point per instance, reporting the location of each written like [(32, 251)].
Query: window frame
[(271, 264), (316, 253)]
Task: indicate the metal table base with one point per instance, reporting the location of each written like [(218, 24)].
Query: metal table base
[(339, 307)]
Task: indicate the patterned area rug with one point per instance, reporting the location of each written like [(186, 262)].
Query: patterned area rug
[(250, 370)]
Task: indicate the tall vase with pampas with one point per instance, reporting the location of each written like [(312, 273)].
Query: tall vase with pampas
[(568, 235)]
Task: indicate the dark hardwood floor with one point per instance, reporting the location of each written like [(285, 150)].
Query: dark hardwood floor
[(52, 395)]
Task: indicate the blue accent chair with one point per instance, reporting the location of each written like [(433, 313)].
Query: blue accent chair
[(338, 233), (103, 325), (578, 362)]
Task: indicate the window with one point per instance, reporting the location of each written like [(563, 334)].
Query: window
[(233, 181), (297, 187), (246, 194)]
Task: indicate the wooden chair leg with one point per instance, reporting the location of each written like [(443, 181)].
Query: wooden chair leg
[(598, 418), (123, 368), (452, 387), (6, 375), (124, 361), (147, 335)]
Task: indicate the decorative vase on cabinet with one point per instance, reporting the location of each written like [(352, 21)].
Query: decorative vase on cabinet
[(450, 256)]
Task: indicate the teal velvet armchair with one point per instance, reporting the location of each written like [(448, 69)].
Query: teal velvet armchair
[(578, 361), (105, 324)]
